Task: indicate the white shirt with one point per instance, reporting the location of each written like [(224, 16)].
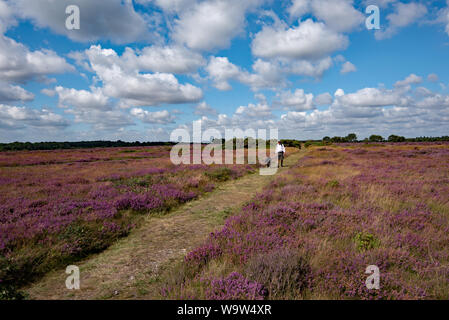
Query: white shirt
[(280, 148)]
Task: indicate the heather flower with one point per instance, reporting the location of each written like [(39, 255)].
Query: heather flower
[(235, 287)]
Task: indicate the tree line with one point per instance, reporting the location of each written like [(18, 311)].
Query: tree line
[(17, 146), (257, 142), (352, 137)]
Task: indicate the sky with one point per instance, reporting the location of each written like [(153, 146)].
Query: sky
[(136, 70)]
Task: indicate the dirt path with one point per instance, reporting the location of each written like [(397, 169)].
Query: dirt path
[(127, 269)]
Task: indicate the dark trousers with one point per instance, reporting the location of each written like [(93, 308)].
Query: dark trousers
[(281, 158)]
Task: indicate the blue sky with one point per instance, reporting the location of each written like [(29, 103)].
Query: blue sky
[(137, 70)]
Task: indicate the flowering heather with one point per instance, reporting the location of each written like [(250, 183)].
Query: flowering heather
[(59, 206), (202, 255), (317, 226), (234, 287)]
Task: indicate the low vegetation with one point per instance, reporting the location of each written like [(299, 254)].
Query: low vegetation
[(58, 207), (317, 227)]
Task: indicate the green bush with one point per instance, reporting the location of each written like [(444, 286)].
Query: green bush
[(366, 241), (219, 174), (333, 184), (9, 292)]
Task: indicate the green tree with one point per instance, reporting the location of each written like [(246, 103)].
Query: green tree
[(395, 138), (352, 137), (375, 138)]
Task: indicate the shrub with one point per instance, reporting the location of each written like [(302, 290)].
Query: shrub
[(199, 257), (219, 174), (366, 241), (235, 287), (333, 184), (9, 292), (285, 273), (138, 202)]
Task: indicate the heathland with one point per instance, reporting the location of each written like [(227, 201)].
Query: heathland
[(219, 232)]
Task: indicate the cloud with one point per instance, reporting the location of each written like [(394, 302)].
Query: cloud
[(91, 107), (11, 93), (443, 17), (167, 59), (19, 64), (164, 59), (309, 40), (114, 20), (101, 119), (82, 99), (294, 116), (339, 15), (323, 99), (433, 101), (339, 93), (170, 6), (48, 92), (252, 116), (220, 70), (211, 24), (266, 75), (253, 111), (297, 100), (433, 77), (370, 97), (379, 3), (125, 82), (298, 8), (400, 110), (159, 117), (404, 15), (204, 109), (248, 117), (270, 74), (348, 67), (313, 69), (6, 16), (411, 79), (17, 117)]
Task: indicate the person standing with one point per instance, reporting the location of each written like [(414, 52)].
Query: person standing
[(280, 150)]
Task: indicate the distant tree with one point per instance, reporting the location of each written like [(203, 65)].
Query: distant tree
[(395, 138), (326, 139), (15, 146), (291, 143), (308, 143), (375, 138), (337, 139), (352, 137)]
